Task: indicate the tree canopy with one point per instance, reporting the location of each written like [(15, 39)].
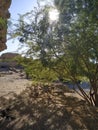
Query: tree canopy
[(80, 20), (69, 46)]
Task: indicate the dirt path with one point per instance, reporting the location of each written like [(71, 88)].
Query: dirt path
[(42, 107), (12, 83)]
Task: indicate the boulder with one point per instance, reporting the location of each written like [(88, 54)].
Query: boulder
[(7, 60), (8, 56)]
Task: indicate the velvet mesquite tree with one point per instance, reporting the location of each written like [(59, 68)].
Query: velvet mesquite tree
[(70, 46), (79, 20)]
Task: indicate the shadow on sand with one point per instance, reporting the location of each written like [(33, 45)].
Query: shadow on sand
[(47, 108)]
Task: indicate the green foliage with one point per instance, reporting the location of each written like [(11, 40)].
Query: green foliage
[(69, 47), (35, 69), (79, 21)]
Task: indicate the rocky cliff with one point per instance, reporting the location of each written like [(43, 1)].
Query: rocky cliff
[(8, 60), (4, 15), (8, 56)]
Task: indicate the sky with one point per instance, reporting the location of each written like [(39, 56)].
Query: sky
[(18, 7)]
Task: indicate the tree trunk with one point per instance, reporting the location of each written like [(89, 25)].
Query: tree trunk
[(27, 75), (95, 92), (96, 100)]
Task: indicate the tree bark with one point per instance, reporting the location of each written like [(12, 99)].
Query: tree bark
[(96, 100)]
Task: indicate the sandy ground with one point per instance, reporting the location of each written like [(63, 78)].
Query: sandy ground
[(12, 83), (39, 107)]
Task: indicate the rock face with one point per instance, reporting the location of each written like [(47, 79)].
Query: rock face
[(7, 60), (4, 15), (8, 56)]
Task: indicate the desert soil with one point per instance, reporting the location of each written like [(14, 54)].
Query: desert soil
[(41, 107), (12, 82), (15, 82)]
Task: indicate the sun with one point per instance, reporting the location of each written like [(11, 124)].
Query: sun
[(53, 15)]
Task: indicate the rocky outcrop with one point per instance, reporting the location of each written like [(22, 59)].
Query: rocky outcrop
[(4, 15), (7, 60), (8, 56)]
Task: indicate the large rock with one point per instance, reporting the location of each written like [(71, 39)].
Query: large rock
[(9, 56), (4, 15), (7, 60)]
